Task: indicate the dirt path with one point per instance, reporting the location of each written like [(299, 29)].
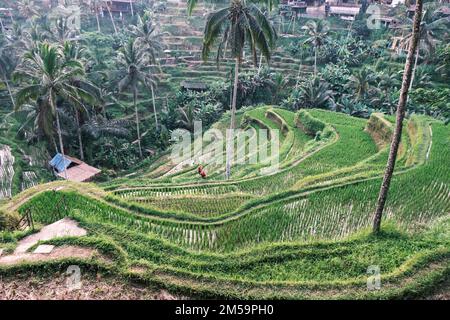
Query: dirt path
[(26, 286), (62, 228), (56, 254)]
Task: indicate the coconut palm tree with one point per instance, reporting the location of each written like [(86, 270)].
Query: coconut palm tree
[(361, 83), (136, 70), (316, 94), (27, 9), (72, 53), (232, 27), (428, 39), (61, 32), (48, 79), (407, 77), (98, 126), (187, 116), (147, 37), (317, 32), (387, 84), (150, 42)]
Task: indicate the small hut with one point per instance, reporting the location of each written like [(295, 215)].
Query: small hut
[(72, 169), (193, 85)]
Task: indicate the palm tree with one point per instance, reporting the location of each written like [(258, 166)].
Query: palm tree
[(443, 59), (361, 83), (428, 35), (316, 93), (387, 84), (136, 70), (98, 126), (147, 37), (27, 9), (317, 32), (48, 79), (150, 42), (61, 31), (232, 27), (72, 53), (187, 116), (407, 77)]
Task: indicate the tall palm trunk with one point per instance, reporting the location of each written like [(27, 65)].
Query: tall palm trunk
[(132, 9), (407, 75), (138, 129), (315, 60), (230, 144), (5, 80), (58, 129), (112, 18), (154, 105), (415, 66), (80, 139), (98, 20)]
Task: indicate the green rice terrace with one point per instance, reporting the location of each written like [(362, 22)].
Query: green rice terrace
[(301, 232)]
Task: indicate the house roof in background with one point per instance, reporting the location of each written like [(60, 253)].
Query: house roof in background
[(193, 85)]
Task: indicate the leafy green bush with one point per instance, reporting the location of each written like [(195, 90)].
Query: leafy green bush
[(434, 102), (308, 124)]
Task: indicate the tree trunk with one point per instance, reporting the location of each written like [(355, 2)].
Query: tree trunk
[(5, 80), (230, 144), (98, 21), (138, 129), (58, 129), (132, 9), (80, 139), (54, 144), (154, 105), (112, 18), (315, 61), (415, 66), (260, 63), (407, 75)]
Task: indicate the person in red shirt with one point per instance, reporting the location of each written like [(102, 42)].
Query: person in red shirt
[(201, 171)]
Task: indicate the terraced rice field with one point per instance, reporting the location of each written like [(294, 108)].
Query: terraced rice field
[(182, 38), (301, 232)]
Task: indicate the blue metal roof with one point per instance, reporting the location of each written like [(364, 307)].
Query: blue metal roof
[(60, 163)]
